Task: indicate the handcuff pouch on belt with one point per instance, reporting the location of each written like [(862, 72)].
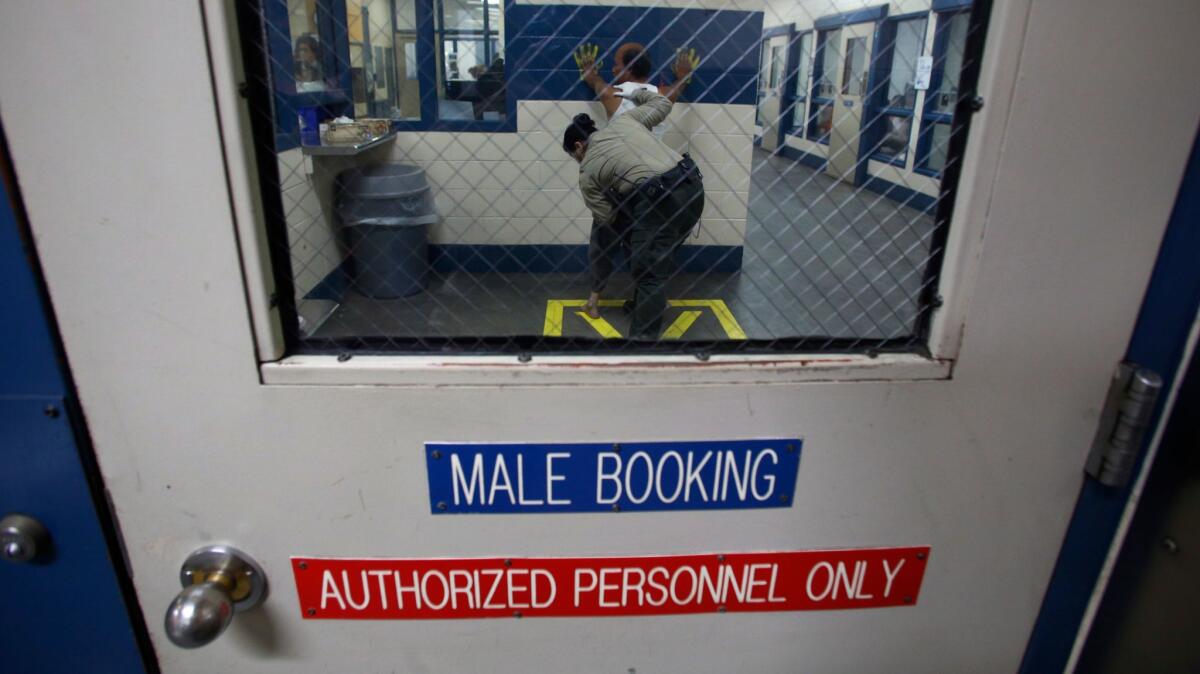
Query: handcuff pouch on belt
[(654, 188)]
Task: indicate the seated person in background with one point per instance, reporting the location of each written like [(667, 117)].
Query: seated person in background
[(490, 88), (631, 73), (307, 60)]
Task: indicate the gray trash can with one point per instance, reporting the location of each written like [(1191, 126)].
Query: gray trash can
[(385, 212)]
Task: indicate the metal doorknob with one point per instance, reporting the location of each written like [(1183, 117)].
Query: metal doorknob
[(22, 538), (217, 582)]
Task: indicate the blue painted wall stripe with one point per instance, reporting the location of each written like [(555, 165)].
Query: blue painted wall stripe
[(543, 68), (532, 259), (539, 42)]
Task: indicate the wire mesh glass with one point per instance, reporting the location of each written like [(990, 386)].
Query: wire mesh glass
[(419, 195)]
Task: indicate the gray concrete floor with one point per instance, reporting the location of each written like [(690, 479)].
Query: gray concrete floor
[(823, 259)]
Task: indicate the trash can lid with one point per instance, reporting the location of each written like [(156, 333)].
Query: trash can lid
[(383, 179)]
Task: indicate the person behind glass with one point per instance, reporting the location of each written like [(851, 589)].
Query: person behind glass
[(625, 169), (309, 75), (631, 73)]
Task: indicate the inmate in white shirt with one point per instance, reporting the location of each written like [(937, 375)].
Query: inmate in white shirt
[(627, 88)]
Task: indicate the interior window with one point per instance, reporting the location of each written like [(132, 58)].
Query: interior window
[(854, 76), (907, 48), (803, 73), (406, 98), (777, 58), (948, 58), (953, 30), (309, 57), (422, 183), (470, 47), (896, 121)]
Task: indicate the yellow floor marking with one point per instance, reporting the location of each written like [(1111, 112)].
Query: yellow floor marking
[(601, 326), (553, 326), (681, 324), (554, 318), (732, 329)]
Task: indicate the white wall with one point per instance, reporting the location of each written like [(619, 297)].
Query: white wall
[(517, 188), (521, 188)]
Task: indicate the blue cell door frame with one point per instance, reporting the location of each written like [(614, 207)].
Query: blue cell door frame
[(1158, 342), (72, 608)]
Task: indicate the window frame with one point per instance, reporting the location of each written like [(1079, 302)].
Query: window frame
[(336, 59), (930, 118), (297, 350), (802, 86), (816, 100), (282, 67), (879, 109), (439, 34)]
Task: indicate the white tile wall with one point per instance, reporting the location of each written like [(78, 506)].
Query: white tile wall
[(518, 188), (311, 239), (527, 178)]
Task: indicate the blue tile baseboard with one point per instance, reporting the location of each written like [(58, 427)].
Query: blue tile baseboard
[(808, 159), (904, 195), (563, 259), (529, 259)]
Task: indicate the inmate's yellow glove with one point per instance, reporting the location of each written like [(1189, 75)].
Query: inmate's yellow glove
[(686, 62), (585, 59)]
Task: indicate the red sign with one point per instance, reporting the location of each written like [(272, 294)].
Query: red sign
[(421, 589)]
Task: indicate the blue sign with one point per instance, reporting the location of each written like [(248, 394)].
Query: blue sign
[(596, 477)]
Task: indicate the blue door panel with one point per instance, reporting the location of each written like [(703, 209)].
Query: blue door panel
[(64, 612)]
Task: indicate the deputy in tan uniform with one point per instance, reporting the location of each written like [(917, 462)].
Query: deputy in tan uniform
[(624, 169)]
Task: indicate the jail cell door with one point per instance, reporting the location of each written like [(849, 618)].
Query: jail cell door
[(854, 70), (771, 79)]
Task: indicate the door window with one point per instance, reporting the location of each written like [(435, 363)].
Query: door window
[(942, 98), (904, 43), (470, 48), (854, 74), (428, 218), (803, 73), (777, 59), (829, 58), (952, 31), (820, 118), (906, 48)]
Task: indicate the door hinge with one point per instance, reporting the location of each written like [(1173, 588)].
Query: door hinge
[(1123, 423)]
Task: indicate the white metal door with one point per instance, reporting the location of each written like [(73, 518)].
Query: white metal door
[(145, 222), (854, 43), (771, 80)]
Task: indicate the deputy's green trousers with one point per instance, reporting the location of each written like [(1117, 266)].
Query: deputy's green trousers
[(662, 217)]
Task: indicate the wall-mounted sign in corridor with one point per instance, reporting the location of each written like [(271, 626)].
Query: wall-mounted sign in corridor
[(617, 477), (417, 589)]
